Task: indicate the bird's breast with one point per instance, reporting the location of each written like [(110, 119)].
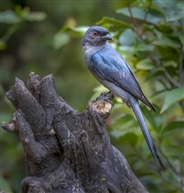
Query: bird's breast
[(89, 51)]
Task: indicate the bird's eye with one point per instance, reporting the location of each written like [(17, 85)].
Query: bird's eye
[(95, 33)]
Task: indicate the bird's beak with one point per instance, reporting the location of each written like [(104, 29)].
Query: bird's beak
[(107, 37)]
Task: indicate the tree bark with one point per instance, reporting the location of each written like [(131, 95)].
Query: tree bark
[(67, 151)]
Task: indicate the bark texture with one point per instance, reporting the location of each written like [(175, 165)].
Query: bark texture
[(67, 151)]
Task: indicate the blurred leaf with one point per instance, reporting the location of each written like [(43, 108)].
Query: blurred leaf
[(122, 119), (117, 133), (157, 8), (2, 45), (169, 63), (127, 37), (75, 31), (143, 47), (114, 22), (181, 37), (97, 91), (36, 16), (9, 17), (145, 64), (165, 28), (126, 134), (175, 17), (127, 2), (165, 42), (5, 186), (154, 30), (61, 39), (140, 14), (130, 138), (166, 53), (172, 97), (173, 126)]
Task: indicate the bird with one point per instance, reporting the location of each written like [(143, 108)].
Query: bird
[(113, 72)]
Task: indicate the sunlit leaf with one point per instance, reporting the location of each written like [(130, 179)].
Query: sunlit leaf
[(100, 88), (61, 39), (36, 16), (145, 64), (170, 63), (2, 45), (113, 22), (173, 97), (75, 31)]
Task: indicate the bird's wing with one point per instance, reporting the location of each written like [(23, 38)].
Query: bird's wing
[(114, 68)]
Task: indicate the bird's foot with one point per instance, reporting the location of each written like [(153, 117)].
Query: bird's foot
[(106, 96)]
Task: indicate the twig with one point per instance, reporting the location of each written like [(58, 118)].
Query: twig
[(165, 85), (182, 105), (180, 78), (145, 16), (136, 26), (172, 81), (9, 33), (169, 163)]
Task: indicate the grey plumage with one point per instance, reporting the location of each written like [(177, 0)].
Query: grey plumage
[(111, 70)]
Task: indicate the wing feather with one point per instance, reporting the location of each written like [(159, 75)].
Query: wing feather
[(115, 69)]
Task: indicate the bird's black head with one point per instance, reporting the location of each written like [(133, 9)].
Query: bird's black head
[(96, 36)]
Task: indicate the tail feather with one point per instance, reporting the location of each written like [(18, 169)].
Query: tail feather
[(146, 101), (138, 113)]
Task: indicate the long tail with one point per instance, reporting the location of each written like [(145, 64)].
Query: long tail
[(138, 113)]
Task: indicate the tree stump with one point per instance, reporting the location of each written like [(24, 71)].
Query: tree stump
[(67, 151)]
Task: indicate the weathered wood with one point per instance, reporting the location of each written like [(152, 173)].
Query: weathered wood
[(67, 151)]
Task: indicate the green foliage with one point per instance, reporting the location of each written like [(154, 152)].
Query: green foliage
[(150, 38), (14, 18), (108, 22), (172, 97), (148, 34), (21, 15)]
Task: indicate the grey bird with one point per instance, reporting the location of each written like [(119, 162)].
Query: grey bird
[(112, 71)]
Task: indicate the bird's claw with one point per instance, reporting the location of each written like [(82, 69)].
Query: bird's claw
[(106, 96)]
